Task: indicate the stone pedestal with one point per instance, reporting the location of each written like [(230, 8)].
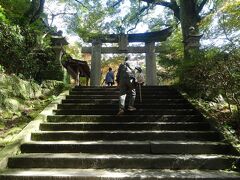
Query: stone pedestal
[(151, 70), (58, 41), (58, 72), (95, 76)]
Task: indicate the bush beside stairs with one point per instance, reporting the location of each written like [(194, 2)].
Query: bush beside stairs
[(166, 138)]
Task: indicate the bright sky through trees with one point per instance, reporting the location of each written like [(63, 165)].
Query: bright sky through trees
[(51, 7)]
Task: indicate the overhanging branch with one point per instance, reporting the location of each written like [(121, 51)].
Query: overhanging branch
[(138, 19), (201, 5), (81, 4), (58, 14), (116, 3), (171, 5), (162, 3), (35, 10)]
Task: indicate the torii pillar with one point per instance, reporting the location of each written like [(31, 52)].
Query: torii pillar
[(151, 69), (95, 76)]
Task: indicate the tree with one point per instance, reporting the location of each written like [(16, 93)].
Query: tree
[(35, 10), (188, 13), (94, 14), (23, 12), (97, 17), (22, 49), (223, 25)]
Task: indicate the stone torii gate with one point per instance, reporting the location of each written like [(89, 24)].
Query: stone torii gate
[(123, 39)]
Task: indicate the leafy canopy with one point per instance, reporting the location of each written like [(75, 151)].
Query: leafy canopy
[(107, 16)]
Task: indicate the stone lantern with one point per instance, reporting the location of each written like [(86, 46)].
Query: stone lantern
[(58, 42), (193, 39)]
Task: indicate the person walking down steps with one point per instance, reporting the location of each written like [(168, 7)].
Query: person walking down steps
[(125, 79), (109, 79)]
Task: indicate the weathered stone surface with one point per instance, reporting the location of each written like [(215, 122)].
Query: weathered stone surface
[(137, 145)]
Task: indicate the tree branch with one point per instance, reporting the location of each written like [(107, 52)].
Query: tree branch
[(176, 9), (116, 3), (138, 19), (201, 5), (171, 5), (58, 14), (35, 10), (162, 3), (135, 26), (81, 4)]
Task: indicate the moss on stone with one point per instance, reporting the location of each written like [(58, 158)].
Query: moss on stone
[(21, 101)]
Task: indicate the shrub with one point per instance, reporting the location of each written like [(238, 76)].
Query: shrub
[(215, 73)]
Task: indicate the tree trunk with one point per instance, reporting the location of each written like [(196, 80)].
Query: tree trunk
[(189, 18), (35, 10), (187, 12)]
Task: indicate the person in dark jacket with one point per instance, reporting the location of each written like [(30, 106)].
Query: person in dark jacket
[(109, 79), (126, 81)]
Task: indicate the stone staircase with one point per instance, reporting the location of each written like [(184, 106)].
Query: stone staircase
[(166, 138)]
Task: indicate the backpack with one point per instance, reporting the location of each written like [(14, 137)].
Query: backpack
[(126, 71)]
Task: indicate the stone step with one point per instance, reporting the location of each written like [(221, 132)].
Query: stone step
[(144, 92), (125, 118), (111, 89), (166, 138), (115, 87), (89, 93), (145, 97), (116, 106), (122, 161), (137, 112), (88, 126), (114, 101), (128, 147), (126, 135), (116, 174)]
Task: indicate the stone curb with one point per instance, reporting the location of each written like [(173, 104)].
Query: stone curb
[(25, 135)]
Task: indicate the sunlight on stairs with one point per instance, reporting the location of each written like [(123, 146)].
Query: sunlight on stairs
[(166, 138)]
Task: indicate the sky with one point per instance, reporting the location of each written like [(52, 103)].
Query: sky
[(53, 7)]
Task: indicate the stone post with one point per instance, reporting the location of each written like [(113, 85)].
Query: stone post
[(95, 76), (58, 58), (151, 70), (58, 41)]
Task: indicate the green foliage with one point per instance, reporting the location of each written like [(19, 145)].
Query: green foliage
[(2, 14), (20, 51), (21, 101), (89, 20), (16, 9), (170, 58), (40, 60), (11, 47), (23, 12), (215, 73), (230, 14), (74, 50), (223, 24), (23, 51), (95, 17)]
